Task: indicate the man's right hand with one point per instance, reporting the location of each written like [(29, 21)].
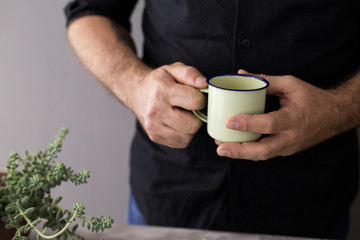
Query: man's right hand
[(162, 101), (160, 98)]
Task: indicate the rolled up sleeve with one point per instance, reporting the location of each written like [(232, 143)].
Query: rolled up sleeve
[(117, 10)]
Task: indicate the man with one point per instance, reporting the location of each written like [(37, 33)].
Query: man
[(309, 52)]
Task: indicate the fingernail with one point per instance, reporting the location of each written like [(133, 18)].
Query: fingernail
[(200, 80), (224, 153), (232, 125), (218, 142)]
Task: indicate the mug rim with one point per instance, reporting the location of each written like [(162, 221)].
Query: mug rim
[(241, 75)]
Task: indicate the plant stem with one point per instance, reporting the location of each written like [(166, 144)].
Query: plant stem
[(72, 213), (43, 235), (79, 217)]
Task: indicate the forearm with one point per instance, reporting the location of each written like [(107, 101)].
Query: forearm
[(347, 108), (107, 51)]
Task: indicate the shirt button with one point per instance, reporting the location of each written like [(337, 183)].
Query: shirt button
[(245, 43)]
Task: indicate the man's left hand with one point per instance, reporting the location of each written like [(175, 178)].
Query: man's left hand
[(307, 117)]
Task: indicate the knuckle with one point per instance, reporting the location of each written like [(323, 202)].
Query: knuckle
[(194, 126), (159, 92), (152, 113), (184, 142), (290, 79), (181, 145), (149, 126), (236, 155), (264, 154), (196, 103), (151, 130), (264, 76), (151, 119), (177, 63), (270, 126), (198, 100), (188, 71), (155, 138), (179, 140)]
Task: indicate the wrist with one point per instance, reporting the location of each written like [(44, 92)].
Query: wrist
[(346, 103), (125, 83)]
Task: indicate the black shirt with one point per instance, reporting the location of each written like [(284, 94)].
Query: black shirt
[(307, 194)]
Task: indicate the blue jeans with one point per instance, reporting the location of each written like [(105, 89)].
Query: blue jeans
[(135, 217)]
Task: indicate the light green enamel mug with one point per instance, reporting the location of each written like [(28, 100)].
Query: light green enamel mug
[(230, 95)]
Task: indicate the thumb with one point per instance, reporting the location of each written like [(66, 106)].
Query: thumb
[(186, 75)]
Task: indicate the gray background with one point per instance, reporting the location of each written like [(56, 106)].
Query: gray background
[(44, 87)]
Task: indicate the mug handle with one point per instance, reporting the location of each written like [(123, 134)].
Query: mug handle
[(199, 114)]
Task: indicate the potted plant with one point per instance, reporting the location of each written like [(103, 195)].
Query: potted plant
[(26, 201)]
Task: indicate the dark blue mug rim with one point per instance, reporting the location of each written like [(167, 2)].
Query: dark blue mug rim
[(241, 75)]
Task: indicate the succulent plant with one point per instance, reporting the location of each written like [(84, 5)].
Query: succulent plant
[(26, 201)]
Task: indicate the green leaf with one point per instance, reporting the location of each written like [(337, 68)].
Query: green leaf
[(27, 228), (18, 191), (44, 230), (18, 218), (22, 229), (36, 222), (29, 211), (5, 219), (59, 215), (25, 200), (9, 226), (57, 200), (11, 207), (19, 204), (43, 210), (12, 198), (75, 228), (23, 181)]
